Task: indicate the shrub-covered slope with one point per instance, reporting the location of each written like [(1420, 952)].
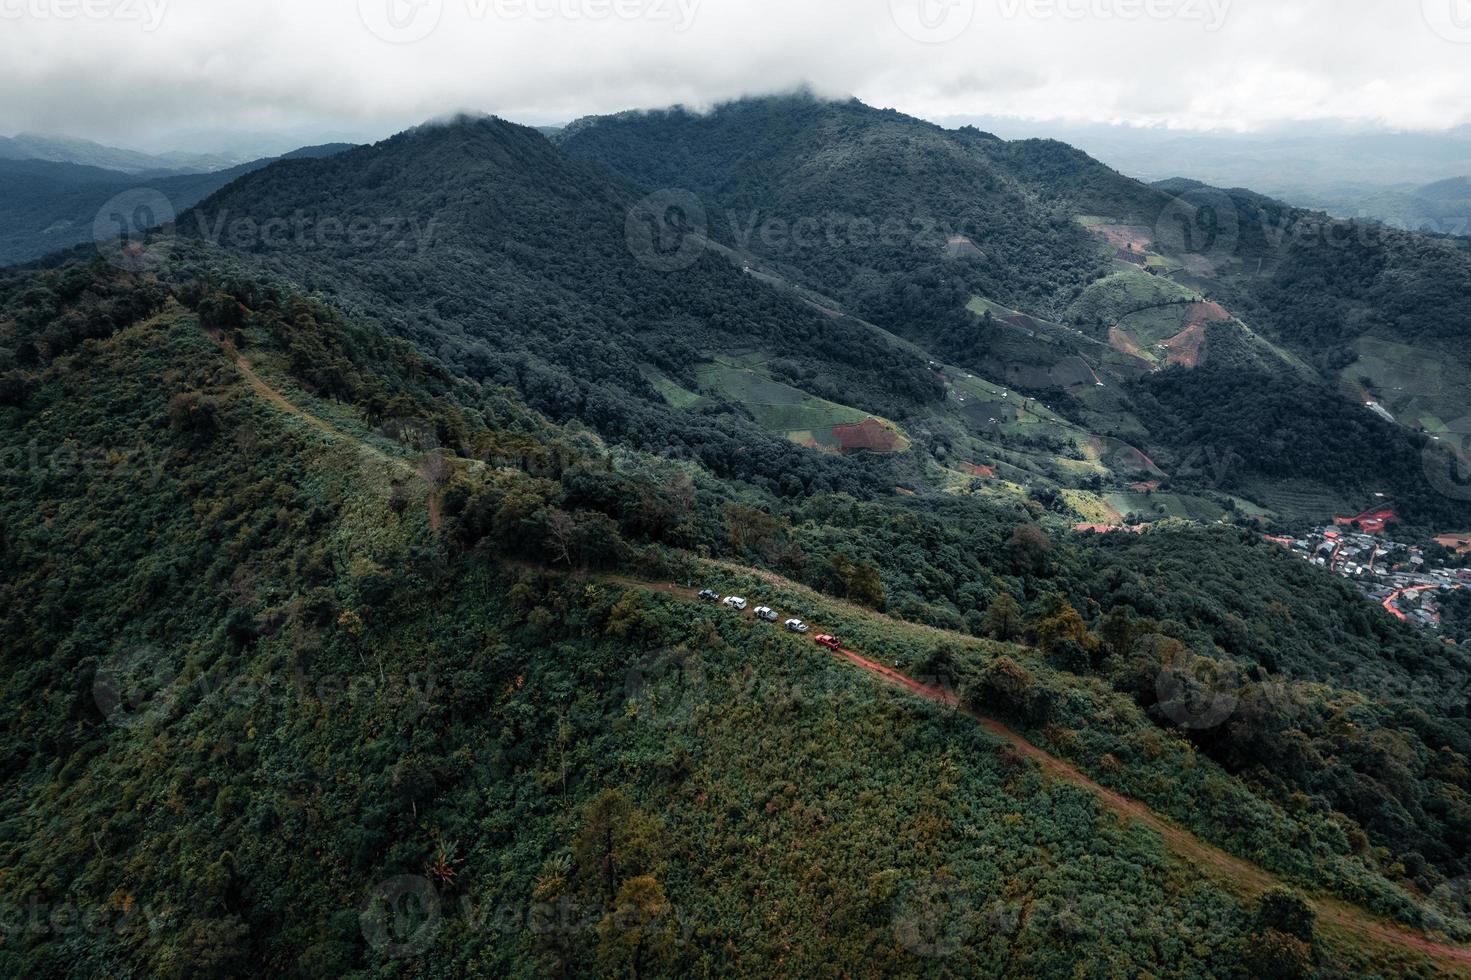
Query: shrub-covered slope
[(293, 651)]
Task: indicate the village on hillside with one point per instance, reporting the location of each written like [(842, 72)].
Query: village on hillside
[(1396, 576)]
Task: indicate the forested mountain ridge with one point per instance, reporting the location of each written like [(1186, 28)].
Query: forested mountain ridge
[(511, 262), (362, 540), (299, 582), (1173, 276), (477, 238), (800, 158)]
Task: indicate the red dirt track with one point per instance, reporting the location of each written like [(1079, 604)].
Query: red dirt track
[(1349, 921), (1252, 879)]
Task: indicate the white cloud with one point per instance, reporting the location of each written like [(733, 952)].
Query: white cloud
[(129, 71)]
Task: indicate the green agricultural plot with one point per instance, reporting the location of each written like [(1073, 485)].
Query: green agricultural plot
[(1302, 501), (801, 417), (1156, 324), (1433, 424), (1420, 386), (1251, 509), (980, 306), (672, 393), (1158, 506), (1113, 297), (775, 405), (1091, 507)]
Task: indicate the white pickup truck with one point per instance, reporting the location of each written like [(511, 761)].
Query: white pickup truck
[(735, 602)]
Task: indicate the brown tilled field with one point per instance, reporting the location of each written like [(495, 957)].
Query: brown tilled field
[(1119, 340), (1204, 313), (870, 435), (1186, 347), (1125, 236)]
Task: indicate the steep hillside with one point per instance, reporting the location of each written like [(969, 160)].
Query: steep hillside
[(322, 660), (1056, 276), (271, 576), (517, 265), (901, 220)]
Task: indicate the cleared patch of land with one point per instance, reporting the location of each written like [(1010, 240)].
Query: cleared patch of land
[(801, 417), (1421, 386)]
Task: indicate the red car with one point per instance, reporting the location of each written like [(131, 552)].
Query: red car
[(831, 642)]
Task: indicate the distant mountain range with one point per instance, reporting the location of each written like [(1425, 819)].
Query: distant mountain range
[(67, 149), (1349, 175), (50, 205)]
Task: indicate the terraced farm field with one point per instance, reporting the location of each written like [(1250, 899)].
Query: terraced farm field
[(1422, 388), (803, 418), (1033, 353), (1161, 505), (1300, 501), (671, 392), (1114, 297)]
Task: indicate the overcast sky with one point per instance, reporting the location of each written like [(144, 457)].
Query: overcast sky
[(152, 73)]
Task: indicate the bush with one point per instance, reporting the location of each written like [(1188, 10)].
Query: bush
[(1286, 911), (1273, 955)]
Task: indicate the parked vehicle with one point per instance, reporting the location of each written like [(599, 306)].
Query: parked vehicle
[(767, 613), (796, 626), (831, 642), (736, 602), (709, 595)]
